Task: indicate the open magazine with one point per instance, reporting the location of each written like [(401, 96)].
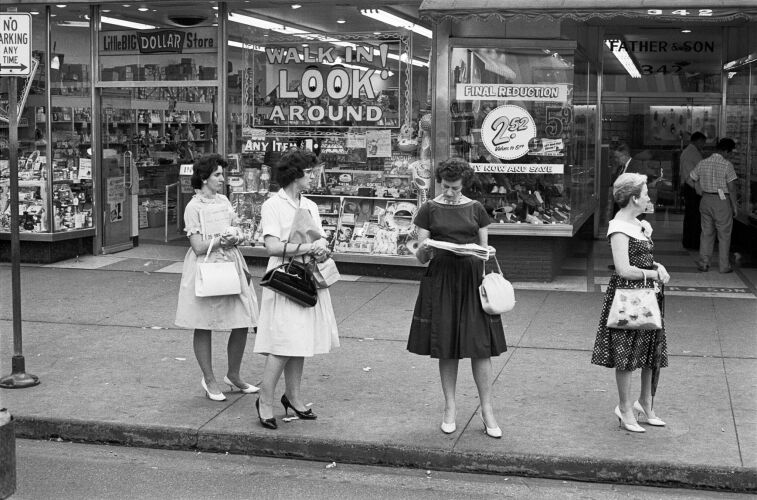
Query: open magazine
[(462, 249)]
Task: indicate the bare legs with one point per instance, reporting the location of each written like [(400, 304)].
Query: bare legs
[(482, 375), (625, 397), (291, 367), (448, 374), (202, 343)]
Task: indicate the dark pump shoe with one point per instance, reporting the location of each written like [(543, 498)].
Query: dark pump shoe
[(268, 423), (304, 415), (703, 267)]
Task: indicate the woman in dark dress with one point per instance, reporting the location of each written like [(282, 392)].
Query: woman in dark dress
[(627, 350), (449, 322)]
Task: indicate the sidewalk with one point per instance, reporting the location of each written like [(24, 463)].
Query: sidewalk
[(114, 369)]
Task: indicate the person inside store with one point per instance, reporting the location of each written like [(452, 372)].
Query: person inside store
[(449, 322), (690, 156), (625, 163), (634, 267), (288, 332), (716, 179), (208, 218)]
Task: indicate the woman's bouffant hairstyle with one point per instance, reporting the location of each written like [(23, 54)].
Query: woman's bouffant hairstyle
[(292, 165), (204, 168), (453, 169), (626, 186)]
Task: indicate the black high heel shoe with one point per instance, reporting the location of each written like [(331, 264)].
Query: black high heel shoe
[(268, 423), (305, 415)]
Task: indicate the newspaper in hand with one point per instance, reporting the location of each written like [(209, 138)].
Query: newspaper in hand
[(471, 249)]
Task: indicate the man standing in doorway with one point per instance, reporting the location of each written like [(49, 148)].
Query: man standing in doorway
[(691, 220), (717, 179)]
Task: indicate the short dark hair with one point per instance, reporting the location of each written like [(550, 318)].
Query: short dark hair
[(697, 136), (453, 169), (292, 165), (204, 168), (726, 145)]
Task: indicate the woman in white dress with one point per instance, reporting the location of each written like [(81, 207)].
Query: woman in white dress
[(206, 217), (288, 332)]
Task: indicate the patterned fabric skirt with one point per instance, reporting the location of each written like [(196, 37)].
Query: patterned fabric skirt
[(448, 321), (629, 349)]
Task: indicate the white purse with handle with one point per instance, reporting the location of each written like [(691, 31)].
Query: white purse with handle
[(214, 279), (497, 294)]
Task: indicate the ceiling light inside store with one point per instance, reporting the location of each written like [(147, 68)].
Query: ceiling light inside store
[(60, 5), (126, 24), (73, 24), (622, 56), (240, 45), (340, 21), (143, 9), (296, 6), (685, 31), (397, 22), (263, 24)]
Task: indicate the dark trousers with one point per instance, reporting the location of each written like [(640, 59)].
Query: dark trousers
[(692, 225)]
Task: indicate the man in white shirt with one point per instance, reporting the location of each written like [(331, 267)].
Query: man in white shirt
[(690, 156)]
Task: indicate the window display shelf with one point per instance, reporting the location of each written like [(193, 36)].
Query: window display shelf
[(58, 236), (360, 258)]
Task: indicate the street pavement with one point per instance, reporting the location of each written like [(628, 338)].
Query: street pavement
[(114, 369)]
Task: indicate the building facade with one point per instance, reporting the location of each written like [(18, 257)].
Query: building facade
[(122, 99)]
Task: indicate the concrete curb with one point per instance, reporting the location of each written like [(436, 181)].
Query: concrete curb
[(737, 479)]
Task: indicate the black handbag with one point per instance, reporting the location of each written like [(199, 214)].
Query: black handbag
[(294, 280)]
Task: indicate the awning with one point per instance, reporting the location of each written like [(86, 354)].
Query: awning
[(699, 11)]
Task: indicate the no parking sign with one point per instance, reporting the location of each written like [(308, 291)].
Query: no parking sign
[(15, 44)]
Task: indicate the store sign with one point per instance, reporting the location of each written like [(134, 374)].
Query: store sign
[(518, 168), (188, 41), (336, 85), (519, 92), (507, 130)]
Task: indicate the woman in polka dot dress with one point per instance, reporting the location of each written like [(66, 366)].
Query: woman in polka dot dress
[(627, 350)]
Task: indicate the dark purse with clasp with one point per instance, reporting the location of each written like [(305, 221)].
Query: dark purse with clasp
[(294, 280)]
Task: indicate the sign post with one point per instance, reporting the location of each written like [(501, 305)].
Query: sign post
[(15, 61)]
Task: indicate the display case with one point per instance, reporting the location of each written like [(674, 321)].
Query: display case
[(348, 99), (741, 126), (366, 203), (523, 114)]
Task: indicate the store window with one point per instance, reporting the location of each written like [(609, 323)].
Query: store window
[(70, 119), (158, 88), (741, 113), (659, 87), (34, 170), (523, 114), (355, 93)]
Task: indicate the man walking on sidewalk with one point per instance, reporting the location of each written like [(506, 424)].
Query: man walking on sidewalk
[(717, 179), (690, 156)]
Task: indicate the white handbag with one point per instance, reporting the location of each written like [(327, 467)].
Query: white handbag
[(497, 294), (214, 279)]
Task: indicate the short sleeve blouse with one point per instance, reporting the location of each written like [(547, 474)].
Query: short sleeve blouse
[(452, 223), (277, 215), (192, 219)]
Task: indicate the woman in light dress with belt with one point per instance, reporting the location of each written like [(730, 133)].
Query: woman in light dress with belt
[(206, 216), (288, 332)]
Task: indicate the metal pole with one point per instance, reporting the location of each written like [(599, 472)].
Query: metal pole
[(18, 378)]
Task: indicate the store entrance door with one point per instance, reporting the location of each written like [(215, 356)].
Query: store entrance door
[(654, 130), (117, 178)]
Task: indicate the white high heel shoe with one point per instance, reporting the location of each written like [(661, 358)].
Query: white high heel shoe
[(494, 432), (448, 428), (214, 397), (247, 389), (651, 421), (632, 427)]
